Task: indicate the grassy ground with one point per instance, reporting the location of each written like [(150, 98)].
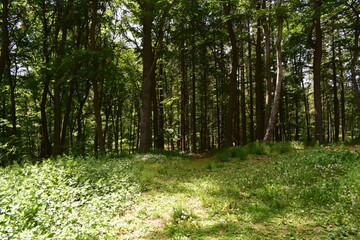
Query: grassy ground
[(298, 195), (256, 192)]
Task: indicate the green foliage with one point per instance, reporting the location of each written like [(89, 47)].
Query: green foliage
[(256, 148), (66, 198)]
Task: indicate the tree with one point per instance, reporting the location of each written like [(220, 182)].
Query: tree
[(279, 75)]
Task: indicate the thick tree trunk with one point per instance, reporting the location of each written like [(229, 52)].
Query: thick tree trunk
[(145, 135), (279, 76), (229, 128), (319, 135)]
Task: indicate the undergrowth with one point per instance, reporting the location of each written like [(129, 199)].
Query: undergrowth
[(65, 198)]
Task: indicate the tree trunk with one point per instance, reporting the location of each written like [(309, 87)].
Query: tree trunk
[(355, 60), (335, 92), (319, 135), (260, 117), (251, 100), (160, 142), (229, 128), (267, 72), (342, 99), (5, 38), (145, 135), (242, 98), (183, 102), (99, 141), (279, 76)]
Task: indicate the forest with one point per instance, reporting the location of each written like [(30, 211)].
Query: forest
[(125, 76), (179, 119)]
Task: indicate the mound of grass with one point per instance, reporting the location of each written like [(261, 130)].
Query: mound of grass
[(66, 198)]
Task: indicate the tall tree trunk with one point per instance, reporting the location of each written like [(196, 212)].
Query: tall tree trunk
[(250, 77), (319, 135), (12, 84), (355, 55), (260, 116), (335, 92), (267, 72), (229, 128), (94, 80), (242, 97), (193, 103), (279, 76), (183, 102), (4, 38), (57, 93), (342, 99), (45, 142), (145, 135), (160, 142)]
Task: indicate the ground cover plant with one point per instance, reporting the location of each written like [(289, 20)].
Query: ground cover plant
[(277, 192), (66, 198)]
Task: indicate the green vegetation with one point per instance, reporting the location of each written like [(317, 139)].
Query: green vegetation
[(65, 198), (284, 194)]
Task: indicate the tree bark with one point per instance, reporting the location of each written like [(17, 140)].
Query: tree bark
[(279, 76), (229, 128), (355, 55), (319, 135), (5, 38), (260, 116), (94, 80), (335, 92), (250, 76), (145, 135)]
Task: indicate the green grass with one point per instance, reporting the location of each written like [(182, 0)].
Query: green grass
[(280, 194)]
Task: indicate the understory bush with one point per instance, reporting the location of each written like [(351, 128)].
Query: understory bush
[(65, 198)]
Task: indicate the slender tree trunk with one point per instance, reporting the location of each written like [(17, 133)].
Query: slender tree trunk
[(355, 57), (229, 128), (45, 142), (160, 139), (12, 84), (267, 73), (5, 38), (242, 98), (260, 116), (145, 137), (251, 101), (57, 93), (100, 141), (335, 92), (193, 104), (279, 76), (342, 99), (183, 99)]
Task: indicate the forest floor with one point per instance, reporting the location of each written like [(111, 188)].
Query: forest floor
[(274, 191), (297, 195)]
